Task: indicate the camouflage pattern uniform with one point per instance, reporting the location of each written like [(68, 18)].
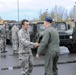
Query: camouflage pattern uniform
[(3, 33), (15, 42), (25, 54)]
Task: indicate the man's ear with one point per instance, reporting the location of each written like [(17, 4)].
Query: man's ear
[(46, 23)]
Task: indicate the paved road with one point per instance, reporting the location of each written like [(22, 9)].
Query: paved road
[(64, 69), (9, 64)]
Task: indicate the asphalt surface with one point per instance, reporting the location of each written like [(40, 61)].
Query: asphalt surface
[(9, 63), (67, 69)]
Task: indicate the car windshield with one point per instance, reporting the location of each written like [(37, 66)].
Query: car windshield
[(30, 28), (59, 26), (0, 25), (40, 27)]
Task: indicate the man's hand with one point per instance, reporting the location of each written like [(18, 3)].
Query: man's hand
[(36, 45), (37, 55)]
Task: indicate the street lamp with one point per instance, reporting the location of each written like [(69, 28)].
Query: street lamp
[(25, 16), (46, 12), (18, 10), (56, 13)]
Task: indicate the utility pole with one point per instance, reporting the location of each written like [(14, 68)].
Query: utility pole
[(75, 14), (25, 16), (74, 29), (18, 10), (46, 12)]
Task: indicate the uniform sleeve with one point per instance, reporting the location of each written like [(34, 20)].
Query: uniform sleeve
[(7, 30), (17, 30), (25, 42), (44, 43), (1, 33)]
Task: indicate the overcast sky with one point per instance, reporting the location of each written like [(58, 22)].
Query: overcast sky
[(30, 9)]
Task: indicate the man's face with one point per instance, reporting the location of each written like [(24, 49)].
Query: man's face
[(26, 25), (4, 25), (46, 24)]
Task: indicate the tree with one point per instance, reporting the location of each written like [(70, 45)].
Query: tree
[(59, 13), (71, 14), (43, 15), (52, 15)]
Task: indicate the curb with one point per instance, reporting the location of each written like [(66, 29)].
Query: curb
[(37, 65)]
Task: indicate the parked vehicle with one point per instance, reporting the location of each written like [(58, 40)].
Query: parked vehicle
[(67, 35)]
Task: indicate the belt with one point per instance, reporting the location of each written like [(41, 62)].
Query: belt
[(24, 53)]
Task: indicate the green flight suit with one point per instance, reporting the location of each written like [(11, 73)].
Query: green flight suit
[(50, 45)]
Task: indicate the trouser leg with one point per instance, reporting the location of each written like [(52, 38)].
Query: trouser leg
[(31, 62), (15, 46), (4, 45), (0, 50), (49, 64), (25, 67), (55, 69), (1, 45)]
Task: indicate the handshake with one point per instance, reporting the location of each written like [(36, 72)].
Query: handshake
[(36, 45)]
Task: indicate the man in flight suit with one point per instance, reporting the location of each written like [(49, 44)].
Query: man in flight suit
[(50, 45), (25, 54)]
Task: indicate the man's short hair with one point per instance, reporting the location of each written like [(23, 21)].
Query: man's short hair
[(22, 23)]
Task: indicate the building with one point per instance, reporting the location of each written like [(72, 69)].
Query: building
[(1, 20)]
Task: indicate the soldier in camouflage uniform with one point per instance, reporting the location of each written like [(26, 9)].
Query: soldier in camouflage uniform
[(25, 54), (15, 42), (3, 34), (50, 45)]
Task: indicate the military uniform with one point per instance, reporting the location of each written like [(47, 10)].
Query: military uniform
[(3, 33), (50, 45), (25, 54), (39, 36), (15, 42)]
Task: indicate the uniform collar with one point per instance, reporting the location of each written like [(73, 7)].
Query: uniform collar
[(25, 30), (48, 26)]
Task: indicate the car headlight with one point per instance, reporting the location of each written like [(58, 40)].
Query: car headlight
[(70, 37)]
